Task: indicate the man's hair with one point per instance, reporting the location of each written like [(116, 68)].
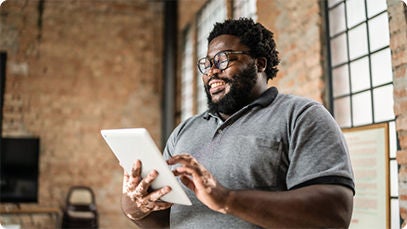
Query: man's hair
[(253, 35)]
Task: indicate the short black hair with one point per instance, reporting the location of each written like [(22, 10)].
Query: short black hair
[(253, 35)]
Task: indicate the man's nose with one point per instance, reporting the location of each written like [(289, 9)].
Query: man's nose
[(213, 70)]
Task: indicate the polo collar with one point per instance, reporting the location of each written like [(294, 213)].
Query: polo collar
[(266, 98)]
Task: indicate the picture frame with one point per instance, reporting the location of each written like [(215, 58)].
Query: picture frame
[(369, 153)]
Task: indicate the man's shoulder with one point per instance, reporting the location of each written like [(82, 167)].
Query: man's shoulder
[(289, 101), (195, 118), (193, 122), (291, 98)]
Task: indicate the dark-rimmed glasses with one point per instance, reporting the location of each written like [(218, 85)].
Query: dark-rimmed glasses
[(220, 60)]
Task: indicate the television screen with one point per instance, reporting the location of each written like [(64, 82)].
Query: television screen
[(19, 170)]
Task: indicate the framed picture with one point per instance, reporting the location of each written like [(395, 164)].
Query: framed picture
[(369, 153)]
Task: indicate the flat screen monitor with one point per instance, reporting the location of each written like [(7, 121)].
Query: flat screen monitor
[(19, 170)]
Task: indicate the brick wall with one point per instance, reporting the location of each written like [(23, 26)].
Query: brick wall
[(187, 10), (398, 44), (75, 67), (299, 43)]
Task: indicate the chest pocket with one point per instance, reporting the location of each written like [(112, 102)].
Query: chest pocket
[(250, 162)]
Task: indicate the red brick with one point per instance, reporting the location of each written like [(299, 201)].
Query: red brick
[(97, 65), (402, 157)]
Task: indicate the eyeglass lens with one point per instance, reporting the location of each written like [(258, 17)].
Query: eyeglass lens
[(220, 60)]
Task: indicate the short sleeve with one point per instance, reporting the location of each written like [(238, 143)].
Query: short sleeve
[(317, 149)]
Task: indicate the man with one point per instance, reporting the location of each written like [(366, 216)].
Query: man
[(256, 158)]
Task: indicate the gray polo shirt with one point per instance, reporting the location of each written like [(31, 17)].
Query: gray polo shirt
[(277, 143)]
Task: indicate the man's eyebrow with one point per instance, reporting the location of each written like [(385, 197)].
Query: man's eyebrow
[(226, 50)]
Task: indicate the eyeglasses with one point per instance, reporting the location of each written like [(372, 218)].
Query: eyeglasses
[(220, 60)]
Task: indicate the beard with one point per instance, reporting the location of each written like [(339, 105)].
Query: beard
[(240, 94)]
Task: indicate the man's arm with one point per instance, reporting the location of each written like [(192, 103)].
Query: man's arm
[(310, 206)]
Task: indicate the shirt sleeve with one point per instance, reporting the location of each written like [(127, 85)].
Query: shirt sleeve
[(317, 150)]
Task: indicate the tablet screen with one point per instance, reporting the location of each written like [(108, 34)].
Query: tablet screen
[(128, 145)]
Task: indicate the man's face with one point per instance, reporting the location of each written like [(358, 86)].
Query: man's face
[(234, 87)]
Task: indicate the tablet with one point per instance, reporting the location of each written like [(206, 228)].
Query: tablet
[(128, 145)]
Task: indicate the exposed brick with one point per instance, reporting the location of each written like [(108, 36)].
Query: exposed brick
[(402, 157), (299, 44), (91, 65), (401, 122)]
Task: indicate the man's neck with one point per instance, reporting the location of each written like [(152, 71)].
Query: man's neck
[(223, 116)]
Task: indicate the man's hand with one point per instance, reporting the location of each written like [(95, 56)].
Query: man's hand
[(197, 178), (137, 201)]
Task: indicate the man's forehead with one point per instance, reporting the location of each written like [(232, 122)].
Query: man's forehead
[(224, 42)]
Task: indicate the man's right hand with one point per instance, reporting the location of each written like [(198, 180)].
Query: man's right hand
[(138, 200)]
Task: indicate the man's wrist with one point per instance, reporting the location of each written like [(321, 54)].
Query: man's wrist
[(228, 200), (138, 217)]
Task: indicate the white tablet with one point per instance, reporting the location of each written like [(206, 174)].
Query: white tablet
[(131, 144)]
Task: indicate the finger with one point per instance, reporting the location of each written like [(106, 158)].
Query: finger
[(126, 177), (189, 170), (194, 177), (125, 181), (181, 158), (145, 183), (136, 169), (151, 177), (156, 195), (161, 206)]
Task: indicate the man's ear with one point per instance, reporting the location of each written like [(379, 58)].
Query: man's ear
[(261, 63)]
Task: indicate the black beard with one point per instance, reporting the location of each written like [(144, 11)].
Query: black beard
[(240, 94)]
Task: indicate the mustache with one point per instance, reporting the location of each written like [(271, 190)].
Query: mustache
[(216, 77)]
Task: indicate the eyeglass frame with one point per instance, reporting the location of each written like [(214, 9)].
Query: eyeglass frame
[(211, 60)]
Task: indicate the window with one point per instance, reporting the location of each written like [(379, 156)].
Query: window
[(187, 76), (361, 73), (213, 11), (245, 8)]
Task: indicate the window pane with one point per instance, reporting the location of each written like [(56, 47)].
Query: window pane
[(379, 39), (362, 109), (187, 77), (214, 11), (342, 111), (340, 80), (393, 139), (244, 8), (383, 103), (338, 50), (381, 67), (359, 71), (355, 12), (332, 2), (395, 216), (337, 20), (375, 7), (358, 41), (394, 187)]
